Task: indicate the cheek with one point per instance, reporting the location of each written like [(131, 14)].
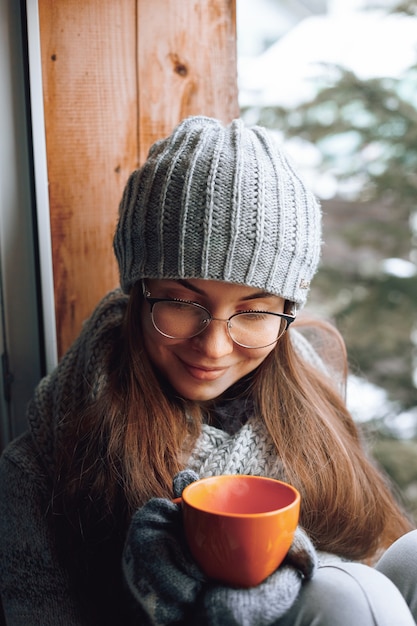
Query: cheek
[(151, 337), (259, 355), (251, 360), (156, 345)]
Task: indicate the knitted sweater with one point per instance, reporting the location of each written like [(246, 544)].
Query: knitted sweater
[(35, 589)]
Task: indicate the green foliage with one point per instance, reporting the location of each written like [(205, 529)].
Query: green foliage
[(408, 7), (398, 460), (376, 119), (377, 328), (366, 133)]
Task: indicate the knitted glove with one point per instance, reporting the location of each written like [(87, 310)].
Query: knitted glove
[(158, 567), (182, 480), (170, 587), (264, 604), (302, 555)]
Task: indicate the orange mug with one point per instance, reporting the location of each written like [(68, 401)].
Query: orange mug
[(239, 528)]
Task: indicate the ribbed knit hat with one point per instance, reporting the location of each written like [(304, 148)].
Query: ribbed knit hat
[(220, 203)]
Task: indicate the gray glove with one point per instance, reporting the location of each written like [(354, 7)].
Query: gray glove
[(171, 588), (158, 568), (264, 604)]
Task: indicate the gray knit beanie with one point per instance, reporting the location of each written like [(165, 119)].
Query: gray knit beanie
[(220, 203)]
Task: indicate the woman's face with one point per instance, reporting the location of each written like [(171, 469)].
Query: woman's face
[(203, 367)]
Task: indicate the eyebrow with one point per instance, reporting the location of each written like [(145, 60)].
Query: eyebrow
[(201, 292)]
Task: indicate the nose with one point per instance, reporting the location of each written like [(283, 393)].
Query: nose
[(215, 341)]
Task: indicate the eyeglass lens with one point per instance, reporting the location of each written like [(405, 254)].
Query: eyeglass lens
[(182, 320)]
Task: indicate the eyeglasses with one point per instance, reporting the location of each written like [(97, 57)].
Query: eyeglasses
[(182, 319)]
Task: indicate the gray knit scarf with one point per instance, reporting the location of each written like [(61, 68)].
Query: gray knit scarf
[(249, 451)]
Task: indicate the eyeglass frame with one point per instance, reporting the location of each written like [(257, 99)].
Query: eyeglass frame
[(289, 319)]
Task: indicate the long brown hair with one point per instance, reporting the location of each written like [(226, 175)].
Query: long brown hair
[(126, 446), (347, 504)]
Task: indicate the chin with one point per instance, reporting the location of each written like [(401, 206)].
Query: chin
[(200, 395)]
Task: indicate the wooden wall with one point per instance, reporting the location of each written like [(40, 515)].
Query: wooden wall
[(117, 75)]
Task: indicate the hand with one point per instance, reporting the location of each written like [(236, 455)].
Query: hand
[(302, 554), (158, 567), (264, 604), (171, 588)]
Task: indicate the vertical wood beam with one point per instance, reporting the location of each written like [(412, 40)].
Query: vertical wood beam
[(186, 64), (90, 102)]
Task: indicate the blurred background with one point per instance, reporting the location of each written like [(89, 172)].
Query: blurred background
[(337, 81)]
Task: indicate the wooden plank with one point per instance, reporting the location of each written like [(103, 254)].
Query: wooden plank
[(90, 101), (186, 64), (116, 77)]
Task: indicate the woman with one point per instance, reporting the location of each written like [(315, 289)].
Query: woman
[(195, 364)]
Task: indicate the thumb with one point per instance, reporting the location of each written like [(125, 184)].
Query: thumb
[(182, 480), (302, 554)]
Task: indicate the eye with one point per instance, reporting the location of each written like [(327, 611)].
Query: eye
[(185, 307)]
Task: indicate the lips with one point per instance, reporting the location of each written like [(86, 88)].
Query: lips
[(201, 372)]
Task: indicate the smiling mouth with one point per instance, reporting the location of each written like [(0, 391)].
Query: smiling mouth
[(203, 373)]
